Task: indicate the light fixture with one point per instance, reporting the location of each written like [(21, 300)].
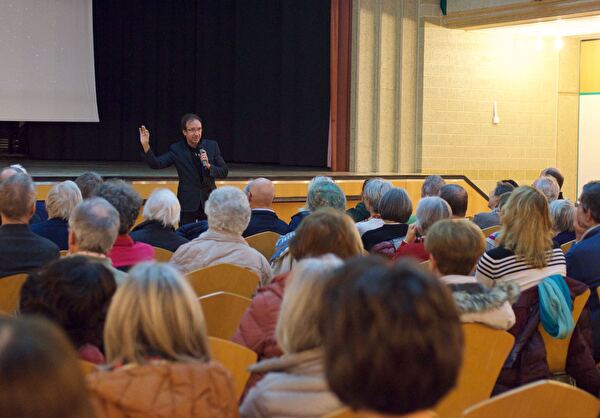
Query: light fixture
[(559, 43)]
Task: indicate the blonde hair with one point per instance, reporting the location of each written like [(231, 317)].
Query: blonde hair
[(526, 226), (297, 325), (155, 312)]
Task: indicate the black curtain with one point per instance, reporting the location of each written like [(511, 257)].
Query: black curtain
[(257, 71)]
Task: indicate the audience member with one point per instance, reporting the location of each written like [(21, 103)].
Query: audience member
[(562, 214), (87, 182), (395, 208), (295, 384), (41, 377), (429, 211), (432, 186), (125, 252), (157, 348), (455, 246), (74, 293), (161, 216), (490, 241), (93, 229), (458, 199), (410, 326), (548, 186), (228, 215), (313, 200), (372, 195), (21, 250), (527, 256), (326, 231), (510, 181), (554, 172), (40, 214), (487, 219), (583, 259), (360, 212), (61, 200)]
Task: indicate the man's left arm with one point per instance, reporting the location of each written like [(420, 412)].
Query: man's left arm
[(218, 168)]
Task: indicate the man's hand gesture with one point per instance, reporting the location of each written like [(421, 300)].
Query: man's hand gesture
[(145, 138)]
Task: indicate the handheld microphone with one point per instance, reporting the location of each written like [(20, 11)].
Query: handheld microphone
[(204, 162)]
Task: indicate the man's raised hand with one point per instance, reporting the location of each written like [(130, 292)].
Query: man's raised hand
[(145, 138)]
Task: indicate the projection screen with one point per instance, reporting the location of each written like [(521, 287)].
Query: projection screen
[(47, 61)]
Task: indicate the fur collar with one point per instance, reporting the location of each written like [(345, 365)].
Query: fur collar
[(475, 297)]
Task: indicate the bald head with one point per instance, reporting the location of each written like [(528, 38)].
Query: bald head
[(7, 173), (261, 193)]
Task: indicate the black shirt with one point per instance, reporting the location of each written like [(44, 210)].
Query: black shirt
[(387, 232)]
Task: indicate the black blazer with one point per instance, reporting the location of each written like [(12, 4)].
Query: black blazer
[(192, 190), (154, 233), (386, 232), (22, 251)]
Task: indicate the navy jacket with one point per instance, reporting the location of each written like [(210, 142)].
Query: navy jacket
[(54, 229), (583, 265), (22, 251), (192, 190), (297, 219), (156, 234)]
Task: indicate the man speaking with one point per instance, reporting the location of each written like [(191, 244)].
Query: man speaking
[(198, 162)]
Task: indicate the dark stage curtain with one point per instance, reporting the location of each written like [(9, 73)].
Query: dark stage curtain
[(257, 71)]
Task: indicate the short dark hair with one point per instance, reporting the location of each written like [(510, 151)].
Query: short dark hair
[(384, 320), (457, 197), (511, 181), (75, 293), (432, 185), (554, 172), (124, 198), (590, 199), (87, 182), (395, 205), (188, 117), (503, 187)]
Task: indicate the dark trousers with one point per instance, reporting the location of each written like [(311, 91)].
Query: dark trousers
[(191, 217)]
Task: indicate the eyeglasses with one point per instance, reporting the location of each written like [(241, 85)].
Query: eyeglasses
[(194, 130)]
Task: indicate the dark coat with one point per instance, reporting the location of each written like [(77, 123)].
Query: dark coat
[(387, 232), (156, 234), (55, 229), (296, 219), (22, 251), (192, 190), (486, 219)]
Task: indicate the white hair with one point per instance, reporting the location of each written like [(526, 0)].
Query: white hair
[(62, 199), (374, 191), (162, 206), (227, 209), (548, 186), (430, 210), (562, 214)]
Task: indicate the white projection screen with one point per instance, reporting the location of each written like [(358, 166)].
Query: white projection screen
[(47, 61)]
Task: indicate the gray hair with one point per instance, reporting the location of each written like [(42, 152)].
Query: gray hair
[(374, 191), (95, 224), (62, 198), (432, 185), (17, 196), (395, 205), (227, 209), (562, 214), (548, 186), (297, 325), (430, 210), (124, 198), (324, 193), (162, 206)]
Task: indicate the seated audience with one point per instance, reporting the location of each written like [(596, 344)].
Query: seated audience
[(410, 351), (429, 211), (87, 182), (487, 219), (395, 208), (491, 240), (74, 292), (548, 186), (303, 213), (562, 214), (41, 377), (40, 214), (93, 229), (295, 384), (327, 231), (61, 200), (21, 250), (511, 181), (583, 259), (161, 216), (360, 212), (157, 348), (458, 199), (125, 252), (527, 256), (455, 246), (554, 172), (432, 186), (372, 195), (228, 215)]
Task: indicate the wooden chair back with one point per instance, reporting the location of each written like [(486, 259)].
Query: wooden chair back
[(264, 243), (343, 413), (10, 290), (161, 255), (236, 358), (490, 230), (556, 350), (485, 351), (223, 277), (64, 253), (541, 399), (223, 312), (567, 246), (87, 367)]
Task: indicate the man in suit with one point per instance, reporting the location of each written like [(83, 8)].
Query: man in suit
[(582, 258), (21, 251), (198, 162), (487, 219)]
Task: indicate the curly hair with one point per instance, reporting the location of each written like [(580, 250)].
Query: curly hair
[(125, 200)]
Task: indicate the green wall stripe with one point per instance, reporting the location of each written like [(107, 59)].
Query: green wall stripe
[(591, 93)]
